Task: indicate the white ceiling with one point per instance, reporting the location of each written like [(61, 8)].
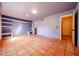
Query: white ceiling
[(20, 9)]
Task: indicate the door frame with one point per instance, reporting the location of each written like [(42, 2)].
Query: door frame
[(61, 23)]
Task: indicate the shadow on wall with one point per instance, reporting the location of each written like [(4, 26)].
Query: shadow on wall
[(21, 28)]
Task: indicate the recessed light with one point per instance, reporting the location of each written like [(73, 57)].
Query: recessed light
[(27, 15), (34, 11)]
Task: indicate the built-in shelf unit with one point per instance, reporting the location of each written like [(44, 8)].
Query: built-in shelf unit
[(6, 27), (10, 26)]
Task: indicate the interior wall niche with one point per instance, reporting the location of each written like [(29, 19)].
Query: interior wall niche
[(12, 26)]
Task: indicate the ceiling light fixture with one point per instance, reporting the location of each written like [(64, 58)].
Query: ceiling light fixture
[(34, 11)]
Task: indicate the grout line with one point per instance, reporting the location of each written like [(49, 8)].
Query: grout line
[(56, 49), (46, 50), (15, 49), (65, 47), (74, 50)]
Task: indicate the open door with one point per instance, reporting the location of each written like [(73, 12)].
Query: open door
[(69, 27), (66, 26)]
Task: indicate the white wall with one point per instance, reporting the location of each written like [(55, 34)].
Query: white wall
[(47, 27)]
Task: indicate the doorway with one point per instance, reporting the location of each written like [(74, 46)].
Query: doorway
[(66, 27)]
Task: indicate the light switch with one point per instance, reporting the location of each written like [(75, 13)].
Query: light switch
[(56, 27)]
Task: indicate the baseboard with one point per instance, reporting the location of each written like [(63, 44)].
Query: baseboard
[(48, 37)]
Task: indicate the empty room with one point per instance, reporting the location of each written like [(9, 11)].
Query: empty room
[(39, 29)]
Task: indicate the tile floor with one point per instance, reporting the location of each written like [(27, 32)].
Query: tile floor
[(37, 46)]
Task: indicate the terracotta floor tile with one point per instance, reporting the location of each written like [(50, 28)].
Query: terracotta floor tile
[(54, 47), (23, 52), (69, 53), (14, 54), (58, 53), (45, 48), (48, 54), (70, 50), (51, 50), (36, 45), (3, 54), (10, 53), (36, 54), (3, 51), (31, 51), (60, 49), (42, 51)]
